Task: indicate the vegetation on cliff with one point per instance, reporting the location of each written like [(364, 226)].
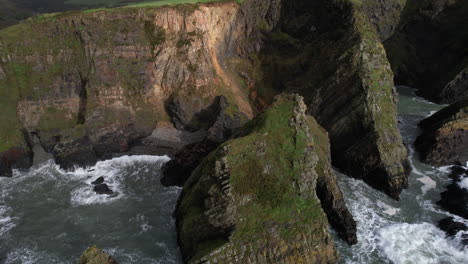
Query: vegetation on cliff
[(254, 198), (330, 53)]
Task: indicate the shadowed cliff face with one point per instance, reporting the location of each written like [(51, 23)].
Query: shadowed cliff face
[(429, 50), (254, 199), (329, 52)]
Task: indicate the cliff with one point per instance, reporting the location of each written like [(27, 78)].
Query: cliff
[(239, 208), (98, 82), (429, 49), (330, 53), (444, 140)]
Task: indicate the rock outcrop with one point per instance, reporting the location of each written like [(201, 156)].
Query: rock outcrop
[(455, 198), (452, 227), (94, 255), (254, 199), (444, 140), (330, 53), (429, 49), (384, 15), (225, 120)]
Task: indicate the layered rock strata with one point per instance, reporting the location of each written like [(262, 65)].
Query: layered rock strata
[(444, 140), (254, 199)]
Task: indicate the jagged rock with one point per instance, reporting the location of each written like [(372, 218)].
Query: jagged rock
[(429, 49), (98, 181), (452, 227), (103, 189), (444, 140), (14, 158), (384, 15), (455, 198), (254, 198), (74, 152), (227, 119), (334, 58), (94, 255)]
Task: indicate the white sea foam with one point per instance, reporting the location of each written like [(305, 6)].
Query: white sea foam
[(29, 256), (112, 171), (464, 183), (6, 221), (428, 182), (418, 243)]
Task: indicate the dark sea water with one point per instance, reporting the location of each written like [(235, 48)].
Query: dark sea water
[(48, 215)]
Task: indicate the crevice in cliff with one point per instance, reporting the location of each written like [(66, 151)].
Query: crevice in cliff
[(83, 94)]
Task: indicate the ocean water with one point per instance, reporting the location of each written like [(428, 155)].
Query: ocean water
[(48, 215), (405, 231)]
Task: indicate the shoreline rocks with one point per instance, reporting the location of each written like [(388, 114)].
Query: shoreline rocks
[(444, 140), (94, 255)]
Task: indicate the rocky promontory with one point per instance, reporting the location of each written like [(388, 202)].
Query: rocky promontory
[(259, 198), (444, 140)]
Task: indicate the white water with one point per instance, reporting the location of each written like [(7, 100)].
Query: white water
[(49, 215), (403, 232)]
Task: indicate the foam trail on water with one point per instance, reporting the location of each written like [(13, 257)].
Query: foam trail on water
[(6, 221)]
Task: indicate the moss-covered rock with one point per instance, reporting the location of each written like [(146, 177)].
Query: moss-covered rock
[(444, 140), (94, 255), (429, 50), (330, 53), (253, 200)]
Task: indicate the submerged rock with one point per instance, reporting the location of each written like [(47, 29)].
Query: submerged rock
[(98, 181), (254, 199), (94, 255), (452, 227), (444, 140), (103, 189)]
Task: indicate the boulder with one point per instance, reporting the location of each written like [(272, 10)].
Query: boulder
[(94, 255), (452, 228), (254, 198), (98, 181), (14, 158), (103, 189), (455, 198), (444, 140)]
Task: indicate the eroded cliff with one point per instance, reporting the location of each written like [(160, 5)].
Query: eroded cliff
[(254, 199)]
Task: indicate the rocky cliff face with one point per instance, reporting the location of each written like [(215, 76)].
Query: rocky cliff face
[(102, 80), (329, 52), (429, 50), (384, 15), (239, 208), (444, 140)]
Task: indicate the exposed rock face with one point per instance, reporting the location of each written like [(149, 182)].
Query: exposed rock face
[(444, 140), (14, 158), (429, 50), (225, 119), (116, 74), (384, 15), (253, 199), (333, 57), (94, 255)]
